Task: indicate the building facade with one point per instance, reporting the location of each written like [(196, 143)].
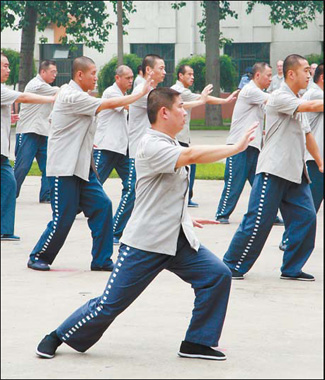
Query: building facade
[(174, 34)]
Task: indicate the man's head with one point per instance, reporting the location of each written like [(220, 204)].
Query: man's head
[(84, 73), (155, 64), (279, 68), (48, 71), (185, 74), (5, 71), (319, 75), (124, 78), (313, 67), (165, 111), (139, 70), (296, 71), (262, 75)]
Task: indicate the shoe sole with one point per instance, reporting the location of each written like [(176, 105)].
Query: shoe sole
[(192, 206), (42, 270), (297, 279), (237, 278), (43, 355), (198, 356)]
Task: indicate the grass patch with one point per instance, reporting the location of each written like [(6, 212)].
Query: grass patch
[(203, 171), (199, 125)]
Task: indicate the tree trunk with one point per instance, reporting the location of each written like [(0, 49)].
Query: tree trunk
[(119, 33), (27, 46), (212, 112)]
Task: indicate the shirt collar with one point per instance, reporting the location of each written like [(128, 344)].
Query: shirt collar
[(40, 78), (286, 88), (75, 85), (117, 88), (179, 83), (161, 134)]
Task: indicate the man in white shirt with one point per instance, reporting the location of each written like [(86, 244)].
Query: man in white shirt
[(316, 121), (185, 79), (8, 181), (139, 79), (160, 235), (111, 145), (250, 107), (282, 180), (277, 79), (33, 129), (71, 170)]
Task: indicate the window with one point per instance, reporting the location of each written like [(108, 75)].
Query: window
[(63, 55), (165, 51), (246, 54)]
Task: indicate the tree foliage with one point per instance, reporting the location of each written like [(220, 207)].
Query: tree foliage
[(315, 58), (228, 72), (290, 14), (86, 22), (106, 76)]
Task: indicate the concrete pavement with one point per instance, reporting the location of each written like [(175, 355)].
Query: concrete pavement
[(273, 328)]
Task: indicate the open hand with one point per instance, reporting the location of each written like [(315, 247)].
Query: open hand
[(248, 137), (206, 92), (148, 84), (232, 97)]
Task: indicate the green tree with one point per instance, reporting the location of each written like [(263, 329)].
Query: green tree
[(228, 74), (86, 22), (107, 72), (290, 14), (315, 58)]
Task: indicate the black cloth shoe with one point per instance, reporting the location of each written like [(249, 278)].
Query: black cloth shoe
[(106, 268), (235, 275), (282, 246), (195, 350), (223, 220), (48, 345), (38, 265), (278, 221), (300, 277)]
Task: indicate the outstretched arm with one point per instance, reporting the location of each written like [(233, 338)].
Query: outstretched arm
[(231, 98), (316, 105), (28, 97), (202, 100), (123, 101), (201, 154)]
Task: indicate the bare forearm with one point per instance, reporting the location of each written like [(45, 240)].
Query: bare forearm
[(312, 106), (194, 103), (202, 154), (28, 97), (120, 101), (215, 100)]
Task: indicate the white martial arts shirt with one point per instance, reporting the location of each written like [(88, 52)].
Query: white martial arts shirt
[(160, 207), (283, 153), (8, 97), (275, 83), (72, 132), (138, 120), (316, 119), (187, 96), (249, 107), (34, 118), (112, 128)]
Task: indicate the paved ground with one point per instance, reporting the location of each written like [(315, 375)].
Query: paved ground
[(273, 329)]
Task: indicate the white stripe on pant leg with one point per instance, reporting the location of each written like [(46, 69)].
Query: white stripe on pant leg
[(125, 198), (229, 184), (257, 224), (19, 144), (55, 221), (104, 298), (98, 159)]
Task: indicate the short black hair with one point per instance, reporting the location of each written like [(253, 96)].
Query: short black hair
[(81, 64), (3, 55), (182, 69), (259, 67), (291, 62), (318, 72), (158, 98), (44, 65), (139, 68), (149, 60)]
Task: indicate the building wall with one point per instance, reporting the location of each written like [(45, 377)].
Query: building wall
[(156, 22)]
